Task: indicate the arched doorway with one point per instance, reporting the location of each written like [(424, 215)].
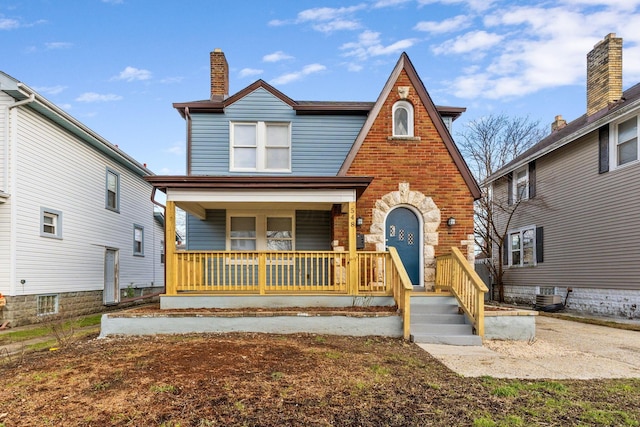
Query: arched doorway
[(403, 233)]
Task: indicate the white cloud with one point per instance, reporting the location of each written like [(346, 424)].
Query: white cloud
[(177, 149), (369, 45), (171, 80), (389, 3), (51, 90), (297, 75), (471, 42), (96, 97), (353, 67), (131, 74), (456, 23), (327, 13), (326, 19), (248, 72), (9, 24), (476, 5), (336, 25), (58, 45), (276, 56)]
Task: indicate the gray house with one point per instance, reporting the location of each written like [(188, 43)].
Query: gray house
[(577, 221)]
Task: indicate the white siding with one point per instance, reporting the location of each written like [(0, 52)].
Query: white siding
[(5, 208), (57, 171)]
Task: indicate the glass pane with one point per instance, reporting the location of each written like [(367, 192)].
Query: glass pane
[(515, 241), (243, 245), (111, 199), (243, 227), (48, 220), (628, 151), (244, 135), (400, 122), (278, 135), (137, 235), (279, 227), (244, 158), (279, 245), (627, 130), (49, 229), (528, 237), (278, 158), (112, 182)]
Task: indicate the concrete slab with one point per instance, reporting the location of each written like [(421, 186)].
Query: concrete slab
[(562, 349)]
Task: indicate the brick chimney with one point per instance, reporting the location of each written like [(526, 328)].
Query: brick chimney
[(558, 123), (604, 73), (219, 75)]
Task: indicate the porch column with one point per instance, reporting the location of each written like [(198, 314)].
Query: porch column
[(353, 255), (170, 248)]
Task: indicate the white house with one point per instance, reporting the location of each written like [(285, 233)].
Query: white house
[(77, 226)]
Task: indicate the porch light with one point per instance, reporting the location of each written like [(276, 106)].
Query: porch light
[(451, 221), (359, 221)]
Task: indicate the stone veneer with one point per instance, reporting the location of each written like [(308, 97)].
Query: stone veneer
[(430, 223)]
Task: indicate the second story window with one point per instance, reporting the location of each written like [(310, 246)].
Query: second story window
[(627, 142), (402, 119), (521, 183), (260, 147), (113, 191), (138, 240)]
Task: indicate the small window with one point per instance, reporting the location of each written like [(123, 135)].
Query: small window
[(50, 223), (626, 149), (402, 119), (113, 191), (271, 231), (522, 247), (47, 304), (138, 240), (243, 234), (521, 184), (161, 251), (279, 234), (260, 146)]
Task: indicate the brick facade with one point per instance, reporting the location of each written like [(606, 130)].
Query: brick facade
[(604, 74)]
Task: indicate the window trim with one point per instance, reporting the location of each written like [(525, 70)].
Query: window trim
[(106, 191), (261, 146), (514, 183), (261, 225), (521, 232), (408, 107), (135, 251), (613, 143), (44, 212)]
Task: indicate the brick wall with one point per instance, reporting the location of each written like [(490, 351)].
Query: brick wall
[(425, 164), (604, 73)]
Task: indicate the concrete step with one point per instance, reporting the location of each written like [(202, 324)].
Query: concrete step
[(436, 318), (434, 309), (444, 329), (446, 339)]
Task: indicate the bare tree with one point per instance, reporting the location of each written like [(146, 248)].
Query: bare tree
[(488, 144)]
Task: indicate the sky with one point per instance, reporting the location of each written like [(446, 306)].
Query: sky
[(118, 65)]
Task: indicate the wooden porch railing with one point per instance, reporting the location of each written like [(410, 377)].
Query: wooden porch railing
[(402, 287), (454, 274)]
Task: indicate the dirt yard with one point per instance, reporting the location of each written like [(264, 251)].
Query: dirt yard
[(288, 380)]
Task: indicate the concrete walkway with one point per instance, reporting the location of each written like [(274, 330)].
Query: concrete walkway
[(562, 349)]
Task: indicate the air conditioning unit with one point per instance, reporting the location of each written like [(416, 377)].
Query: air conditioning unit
[(544, 300)]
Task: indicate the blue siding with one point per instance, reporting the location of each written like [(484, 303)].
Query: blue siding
[(319, 143), (208, 234), (313, 230)]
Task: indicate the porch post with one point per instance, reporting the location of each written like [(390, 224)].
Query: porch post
[(170, 248), (353, 256)]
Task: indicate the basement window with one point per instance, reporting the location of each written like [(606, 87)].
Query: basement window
[(47, 304)]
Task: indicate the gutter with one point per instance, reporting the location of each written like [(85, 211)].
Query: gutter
[(562, 142)]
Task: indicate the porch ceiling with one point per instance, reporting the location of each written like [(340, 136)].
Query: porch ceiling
[(198, 209)]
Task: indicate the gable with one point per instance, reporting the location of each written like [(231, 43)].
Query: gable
[(259, 104)]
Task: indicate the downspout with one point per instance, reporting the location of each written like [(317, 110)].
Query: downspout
[(12, 190), (164, 208)]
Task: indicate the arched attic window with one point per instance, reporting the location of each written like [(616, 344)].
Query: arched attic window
[(402, 119)]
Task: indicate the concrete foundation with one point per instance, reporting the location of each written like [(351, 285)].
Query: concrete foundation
[(506, 324), (271, 301)]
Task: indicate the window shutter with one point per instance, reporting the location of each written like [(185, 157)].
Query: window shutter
[(603, 160), (510, 189), (532, 179), (539, 245), (505, 253)]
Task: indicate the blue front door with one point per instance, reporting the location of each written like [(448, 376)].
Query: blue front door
[(403, 233)]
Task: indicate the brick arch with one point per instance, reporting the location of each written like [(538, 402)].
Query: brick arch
[(430, 221)]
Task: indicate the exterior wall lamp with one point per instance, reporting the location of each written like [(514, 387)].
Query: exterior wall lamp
[(359, 221), (451, 221)]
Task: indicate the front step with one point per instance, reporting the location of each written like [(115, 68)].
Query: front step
[(438, 320)]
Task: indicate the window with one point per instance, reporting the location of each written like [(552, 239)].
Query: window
[(521, 183), (523, 247), (260, 146), (402, 119), (113, 191), (138, 240), (47, 304), (50, 223), (626, 142), (272, 231)]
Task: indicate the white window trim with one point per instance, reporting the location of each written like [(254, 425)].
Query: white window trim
[(261, 146), (613, 143), (135, 252), (106, 185), (261, 225), (514, 183), (521, 231), (51, 213), (409, 108)]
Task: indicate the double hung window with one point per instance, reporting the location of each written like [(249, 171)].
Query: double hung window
[(112, 198), (250, 232), (138, 240), (626, 141), (522, 247), (50, 223), (260, 146)]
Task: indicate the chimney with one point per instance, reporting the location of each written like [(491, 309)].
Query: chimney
[(219, 75), (604, 73), (558, 123)]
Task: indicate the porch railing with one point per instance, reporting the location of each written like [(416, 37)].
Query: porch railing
[(401, 286), (454, 274)]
